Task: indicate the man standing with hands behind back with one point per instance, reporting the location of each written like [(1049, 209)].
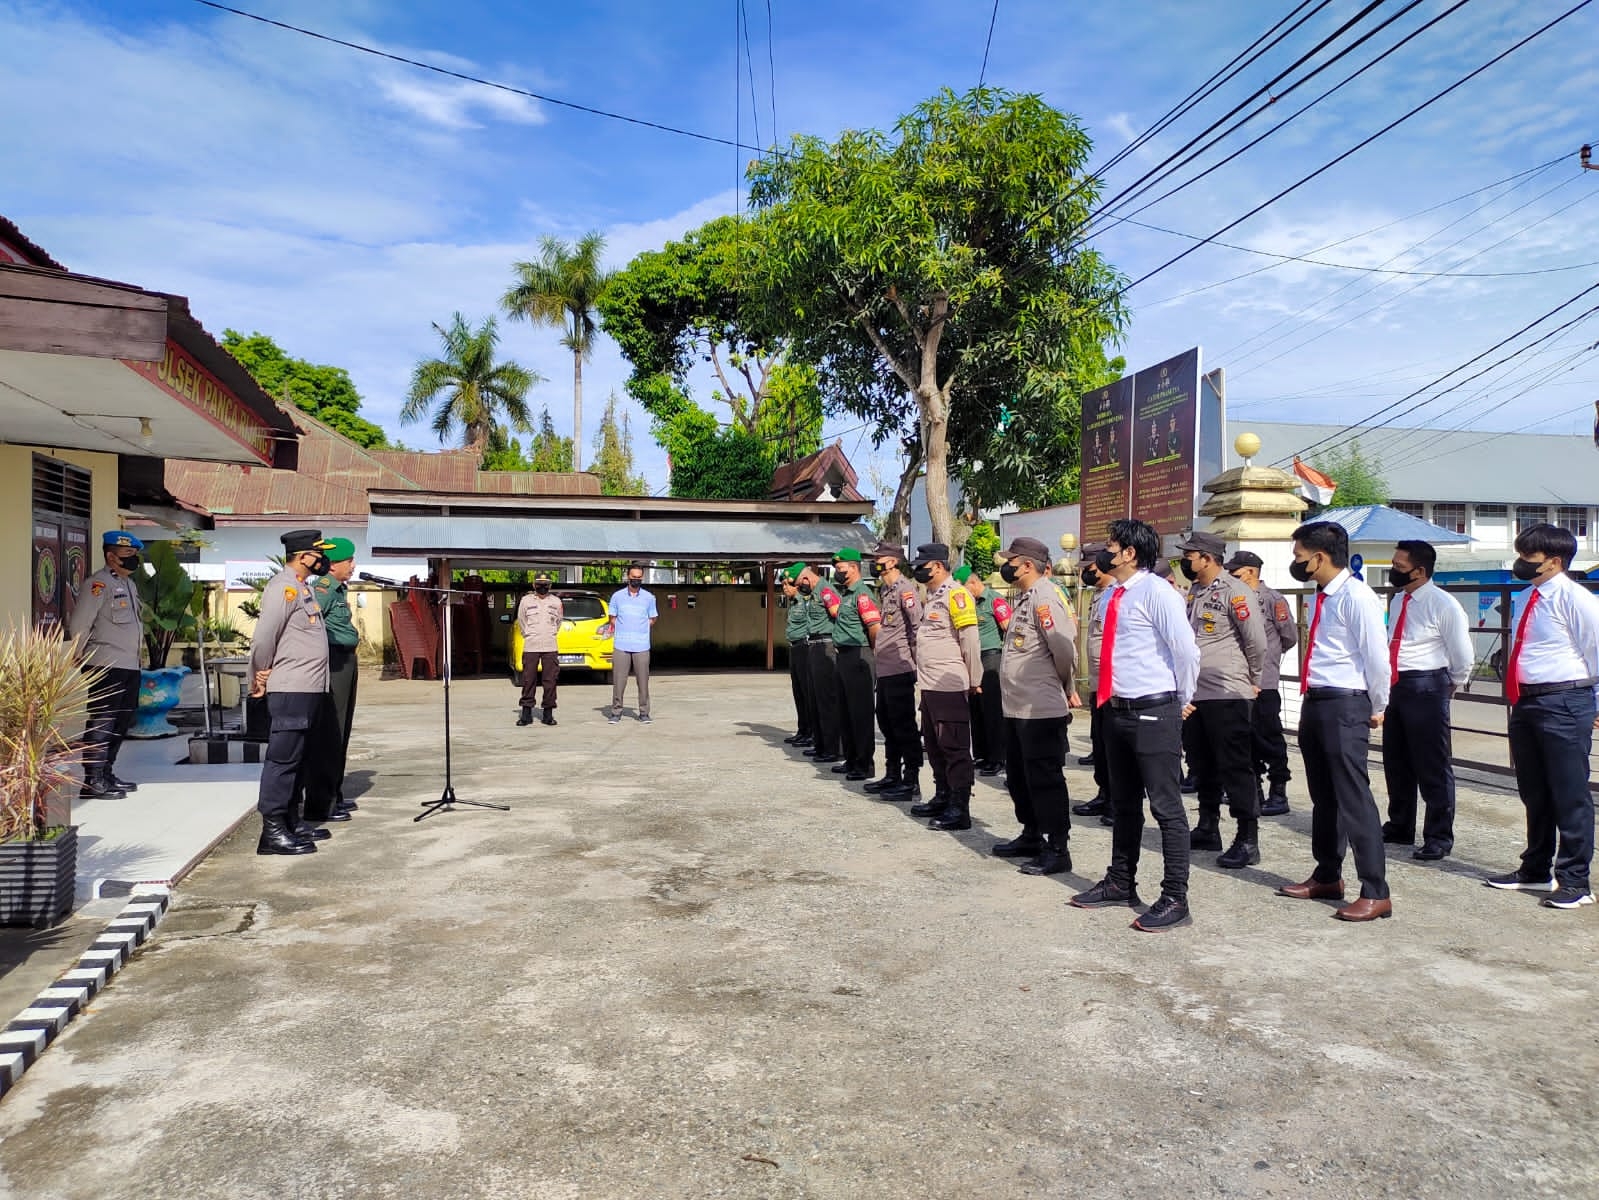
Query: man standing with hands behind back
[(539, 616), (108, 623), (634, 614)]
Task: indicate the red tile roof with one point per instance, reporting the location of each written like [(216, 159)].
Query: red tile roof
[(31, 251), (804, 478)]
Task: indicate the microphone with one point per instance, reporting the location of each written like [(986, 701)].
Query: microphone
[(367, 577)]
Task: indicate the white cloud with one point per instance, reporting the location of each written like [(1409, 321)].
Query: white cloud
[(451, 104)]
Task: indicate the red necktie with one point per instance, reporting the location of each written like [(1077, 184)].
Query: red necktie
[(1393, 642), (1106, 657), (1310, 644), (1513, 672)]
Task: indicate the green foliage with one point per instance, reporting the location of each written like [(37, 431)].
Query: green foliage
[(955, 243), (727, 464), (1359, 478), (43, 695), (561, 288), (172, 602), (606, 572), (981, 547), (790, 416), (468, 389), (327, 393), (504, 453), (613, 454)]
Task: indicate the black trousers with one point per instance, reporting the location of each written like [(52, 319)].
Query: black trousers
[(989, 738), (947, 735), (1550, 740), (857, 735), (534, 664), (1271, 745), (328, 741), (1334, 742), (1035, 774), (112, 705), (1218, 739), (1144, 755), (824, 696), (1096, 744), (291, 714), (896, 717), (1416, 750), (799, 682)]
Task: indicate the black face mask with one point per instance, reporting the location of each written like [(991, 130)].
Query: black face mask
[(1090, 577), (320, 565), (1008, 572), (923, 574), (878, 570), (1186, 567), (633, 585), (542, 589), (1525, 570), (1300, 570), (1105, 562), (804, 589), (1399, 578), (131, 562)]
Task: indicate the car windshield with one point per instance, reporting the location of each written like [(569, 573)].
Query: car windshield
[(582, 608)]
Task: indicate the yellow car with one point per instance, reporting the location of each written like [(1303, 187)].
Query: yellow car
[(586, 639)]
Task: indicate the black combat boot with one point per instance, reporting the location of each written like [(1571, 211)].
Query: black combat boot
[(1027, 844), (526, 718), (276, 838), (957, 816), (1276, 803), (890, 779), (906, 787), (934, 807), (1245, 850), (97, 785), (1206, 834), (1098, 806)]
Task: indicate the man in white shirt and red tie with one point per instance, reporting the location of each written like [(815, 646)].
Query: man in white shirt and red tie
[(1149, 665), (1345, 685), (1429, 656), (1552, 687)]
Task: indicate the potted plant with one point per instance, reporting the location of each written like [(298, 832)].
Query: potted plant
[(44, 697), (172, 604)]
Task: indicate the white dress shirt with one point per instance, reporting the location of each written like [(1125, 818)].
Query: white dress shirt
[(1350, 646), (1562, 638), (1155, 650), (1435, 636)]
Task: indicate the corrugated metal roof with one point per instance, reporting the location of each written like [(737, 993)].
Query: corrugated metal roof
[(1379, 523), (803, 478)]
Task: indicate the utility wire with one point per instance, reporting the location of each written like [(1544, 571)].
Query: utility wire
[(749, 62), (992, 17), (771, 71), (489, 83)]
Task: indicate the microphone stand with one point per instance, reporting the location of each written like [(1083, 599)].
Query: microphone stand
[(447, 799)]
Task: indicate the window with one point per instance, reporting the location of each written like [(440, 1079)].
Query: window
[(1528, 515), (1451, 516), (1411, 508), (581, 606), (1574, 519), (1492, 510)]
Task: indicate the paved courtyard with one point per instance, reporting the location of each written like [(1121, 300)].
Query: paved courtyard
[(688, 963)]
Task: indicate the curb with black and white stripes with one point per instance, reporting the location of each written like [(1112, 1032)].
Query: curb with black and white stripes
[(27, 1036)]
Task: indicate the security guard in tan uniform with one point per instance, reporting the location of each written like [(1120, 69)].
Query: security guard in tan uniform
[(1039, 688), (949, 669), (539, 617), (895, 654), (1217, 725), (289, 666), (108, 623), (1282, 635)]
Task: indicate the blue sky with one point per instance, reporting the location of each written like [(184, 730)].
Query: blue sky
[(342, 203)]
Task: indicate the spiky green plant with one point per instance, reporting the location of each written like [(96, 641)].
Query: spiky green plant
[(44, 697)]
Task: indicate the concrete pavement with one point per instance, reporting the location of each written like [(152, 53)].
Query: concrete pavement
[(689, 963)]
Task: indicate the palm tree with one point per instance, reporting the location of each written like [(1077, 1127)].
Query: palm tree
[(472, 390), (562, 289)]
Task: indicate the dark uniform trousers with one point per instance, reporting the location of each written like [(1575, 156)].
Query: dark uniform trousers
[(1143, 755), (112, 705), (1271, 744), (328, 743), (947, 735), (292, 714), (896, 717), (824, 695), (1334, 742), (799, 682), (1097, 717), (534, 664), (1551, 737), (855, 708), (989, 738), (1218, 740), (1035, 774), (1416, 751)]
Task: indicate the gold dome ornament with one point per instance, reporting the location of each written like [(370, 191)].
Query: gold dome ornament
[(1247, 445), (1068, 542)]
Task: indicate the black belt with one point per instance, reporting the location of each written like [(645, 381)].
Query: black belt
[(1549, 689), (820, 637), (1332, 693), (842, 649), (1137, 702), (1424, 674)]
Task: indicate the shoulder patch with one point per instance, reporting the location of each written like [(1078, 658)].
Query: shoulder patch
[(907, 599), (290, 594), (1282, 610), (867, 608), (97, 588), (1045, 617), (959, 598), (1241, 608)]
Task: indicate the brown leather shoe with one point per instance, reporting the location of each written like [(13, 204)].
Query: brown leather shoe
[(1313, 889), (1365, 909)]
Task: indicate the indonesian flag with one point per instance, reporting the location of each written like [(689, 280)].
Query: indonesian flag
[(1316, 486)]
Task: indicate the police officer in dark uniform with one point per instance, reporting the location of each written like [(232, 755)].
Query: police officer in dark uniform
[(1282, 635), (108, 623), (289, 666), (329, 745)]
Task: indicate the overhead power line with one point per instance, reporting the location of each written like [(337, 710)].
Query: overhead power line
[(992, 17), (464, 77), (771, 71)]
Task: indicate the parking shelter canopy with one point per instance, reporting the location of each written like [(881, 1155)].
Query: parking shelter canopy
[(478, 531)]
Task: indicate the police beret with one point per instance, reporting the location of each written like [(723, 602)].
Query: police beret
[(297, 541), (116, 539), (847, 554), (338, 549)]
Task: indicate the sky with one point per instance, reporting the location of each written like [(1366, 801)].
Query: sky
[(344, 203)]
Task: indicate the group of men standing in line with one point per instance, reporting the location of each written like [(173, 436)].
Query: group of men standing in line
[(1196, 674)]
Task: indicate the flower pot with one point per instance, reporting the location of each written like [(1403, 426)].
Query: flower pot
[(158, 695), (37, 879)]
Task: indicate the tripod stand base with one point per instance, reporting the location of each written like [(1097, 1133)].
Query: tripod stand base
[(448, 801)]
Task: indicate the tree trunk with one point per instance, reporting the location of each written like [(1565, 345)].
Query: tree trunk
[(577, 410), (898, 524), (935, 421)]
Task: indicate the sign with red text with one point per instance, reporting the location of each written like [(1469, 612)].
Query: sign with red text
[(182, 378)]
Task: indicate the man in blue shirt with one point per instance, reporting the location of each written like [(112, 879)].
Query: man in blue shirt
[(633, 613)]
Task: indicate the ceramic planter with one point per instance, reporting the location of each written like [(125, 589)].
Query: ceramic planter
[(158, 695), (37, 879)]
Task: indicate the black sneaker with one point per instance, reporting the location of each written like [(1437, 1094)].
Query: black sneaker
[(1276, 805), (1165, 913), (1515, 881), (1568, 896), (1104, 894), (613, 719)]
